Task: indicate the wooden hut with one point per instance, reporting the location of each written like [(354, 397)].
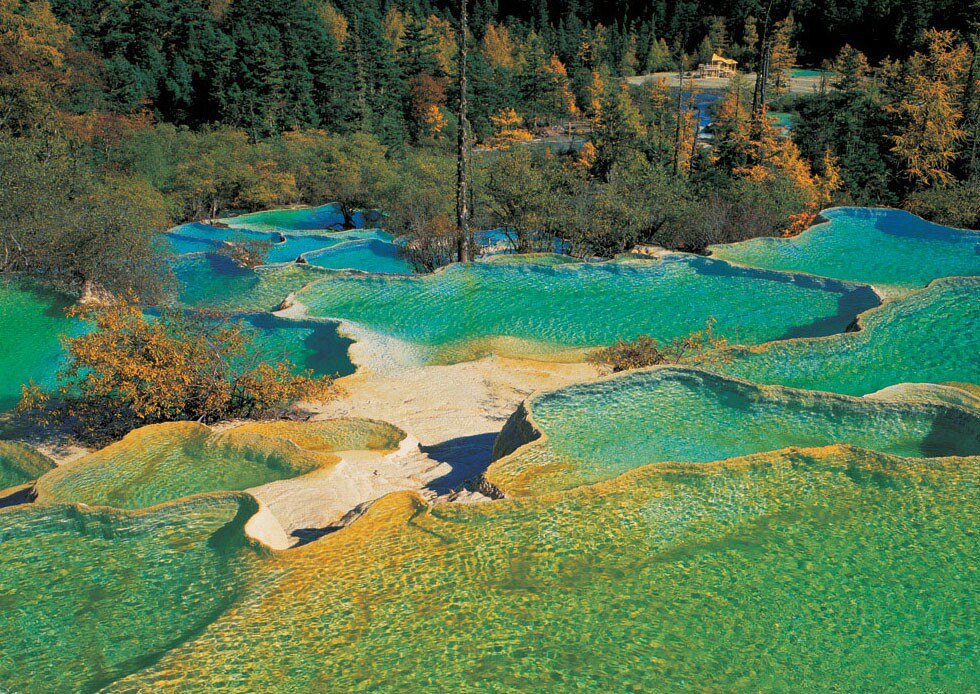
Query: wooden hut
[(719, 66)]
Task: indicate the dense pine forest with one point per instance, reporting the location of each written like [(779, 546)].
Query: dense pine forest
[(119, 118)]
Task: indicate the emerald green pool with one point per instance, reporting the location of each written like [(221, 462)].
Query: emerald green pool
[(847, 570), (930, 336), (91, 595), (890, 249), (595, 431), (163, 462), (31, 319), (531, 307)]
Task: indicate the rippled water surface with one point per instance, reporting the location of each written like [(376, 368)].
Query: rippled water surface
[(595, 431), (929, 336), (796, 572), (893, 250), (577, 305), (90, 595)]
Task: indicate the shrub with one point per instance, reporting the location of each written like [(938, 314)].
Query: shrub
[(132, 370), (625, 355)]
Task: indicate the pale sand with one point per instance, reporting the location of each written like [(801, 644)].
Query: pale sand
[(452, 415)]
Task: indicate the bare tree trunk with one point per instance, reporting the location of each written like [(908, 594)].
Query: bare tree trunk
[(762, 73), (677, 130), (463, 241)]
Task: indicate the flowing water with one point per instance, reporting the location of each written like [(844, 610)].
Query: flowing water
[(832, 569)]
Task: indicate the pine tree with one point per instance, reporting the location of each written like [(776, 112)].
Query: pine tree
[(782, 57)]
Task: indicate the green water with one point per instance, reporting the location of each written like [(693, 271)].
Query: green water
[(371, 255), (31, 319), (323, 217), (851, 571), (310, 345), (893, 250), (164, 462), (930, 336), (214, 281), (599, 430), (90, 595), (370, 250), (462, 311), (20, 464)]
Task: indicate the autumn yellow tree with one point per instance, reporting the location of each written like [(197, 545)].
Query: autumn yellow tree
[(33, 71), (508, 129), (929, 109), (131, 370), (393, 26), (498, 48), (782, 57), (335, 21)]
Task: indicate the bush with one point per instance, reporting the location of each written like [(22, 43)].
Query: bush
[(955, 205), (131, 371), (644, 351)]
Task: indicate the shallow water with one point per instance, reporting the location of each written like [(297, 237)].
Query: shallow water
[(370, 250), (841, 569), (316, 346), (31, 319), (596, 431), (891, 249), (90, 595), (547, 307), (298, 218), (930, 336), (164, 462)]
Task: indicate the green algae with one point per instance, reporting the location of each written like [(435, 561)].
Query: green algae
[(31, 321), (163, 462), (929, 336), (891, 249), (89, 596), (594, 431), (20, 464), (814, 570), (467, 310)]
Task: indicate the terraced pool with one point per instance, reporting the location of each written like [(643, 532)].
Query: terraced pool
[(163, 462), (929, 336), (673, 528), (531, 306), (91, 595), (893, 250), (763, 573), (595, 431)]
